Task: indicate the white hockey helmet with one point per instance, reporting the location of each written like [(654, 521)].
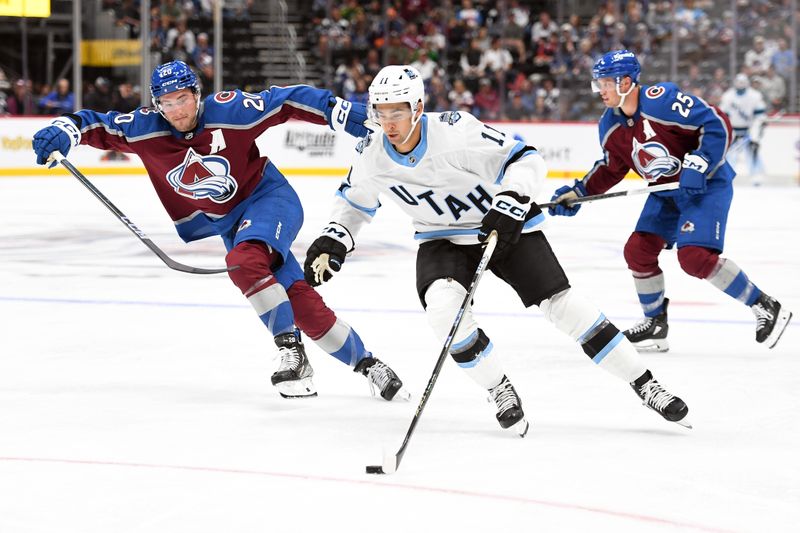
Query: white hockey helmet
[(741, 81), (397, 83)]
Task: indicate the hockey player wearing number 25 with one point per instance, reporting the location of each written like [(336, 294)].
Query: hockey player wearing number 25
[(202, 160), (666, 135), (459, 180)]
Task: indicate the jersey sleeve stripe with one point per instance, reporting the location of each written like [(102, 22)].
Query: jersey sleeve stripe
[(519, 151), (369, 211)]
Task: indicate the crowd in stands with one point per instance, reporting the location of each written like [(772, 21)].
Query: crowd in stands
[(22, 97), (171, 38), (510, 59), (499, 59)]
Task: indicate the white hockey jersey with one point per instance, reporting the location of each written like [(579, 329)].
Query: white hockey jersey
[(446, 184), (746, 111)]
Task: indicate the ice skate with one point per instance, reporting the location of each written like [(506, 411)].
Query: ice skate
[(509, 407), (650, 335), (654, 396), (293, 377), (771, 320), (382, 379)]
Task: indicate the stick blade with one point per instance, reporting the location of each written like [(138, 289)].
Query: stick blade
[(389, 465), (375, 469)]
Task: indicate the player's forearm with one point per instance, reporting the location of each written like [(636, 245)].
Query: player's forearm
[(526, 176)]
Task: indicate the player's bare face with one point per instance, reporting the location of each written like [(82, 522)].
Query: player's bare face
[(396, 122), (180, 109)]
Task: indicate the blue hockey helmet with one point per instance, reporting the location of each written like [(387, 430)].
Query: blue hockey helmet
[(171, 77), (617, 65)]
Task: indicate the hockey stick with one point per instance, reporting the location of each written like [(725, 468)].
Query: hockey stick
[(392, 462), (130, 225), (641, 190)]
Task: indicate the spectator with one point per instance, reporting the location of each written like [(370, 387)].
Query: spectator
[(497, 60), (758, 58), (773, 88), (124, 100), (547, 100), (21, 101), (360, 93), (181, 41), (59, 101), (784, 60), (717, 86), (434, 39), (127, 16), (99, 96), (487, 101), (426, 67), (436, 94), (411, 39), (171, 10), (460, 97), (469, 15), (542, 29), (472, 67), (516, 110), (513, 32), (203, 59), (372, 65)]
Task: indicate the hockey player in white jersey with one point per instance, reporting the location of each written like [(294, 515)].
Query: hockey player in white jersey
[(746, 110), (459, 179)]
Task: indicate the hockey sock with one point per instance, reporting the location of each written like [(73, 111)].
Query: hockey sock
[(273, 308), (730, 279), (342, 342), (473, 356), (605, 345), (651, 292), (471, 348), (254, 277)]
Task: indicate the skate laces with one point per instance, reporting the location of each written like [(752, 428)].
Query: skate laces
[(655, 396), (291, 359), (643, 325), (762, 315), (504, 396), (379, 376)]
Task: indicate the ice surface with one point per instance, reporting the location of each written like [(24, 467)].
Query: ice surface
[(137, 399)]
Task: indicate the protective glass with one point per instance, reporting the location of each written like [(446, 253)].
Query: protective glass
[(601, 84), (178, 103), (393, 115)]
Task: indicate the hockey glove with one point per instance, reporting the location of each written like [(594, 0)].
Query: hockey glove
[(507, 216), (61, 135), (562, 195), (348, 116), (693, 175), (326, 254)]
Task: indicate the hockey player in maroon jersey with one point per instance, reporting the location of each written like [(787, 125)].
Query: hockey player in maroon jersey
[(665, 135), (202, 160)]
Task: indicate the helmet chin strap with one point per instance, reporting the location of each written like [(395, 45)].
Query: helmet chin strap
[(621, 95), (414, 123)]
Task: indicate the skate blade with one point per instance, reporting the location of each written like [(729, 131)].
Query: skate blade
[(784, 317), (520, 428), (403, 395), (652, 346), (683, 422), (297, 388)]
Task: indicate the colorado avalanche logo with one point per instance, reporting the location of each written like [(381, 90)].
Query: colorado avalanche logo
[(653, 160), (200, 177)]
